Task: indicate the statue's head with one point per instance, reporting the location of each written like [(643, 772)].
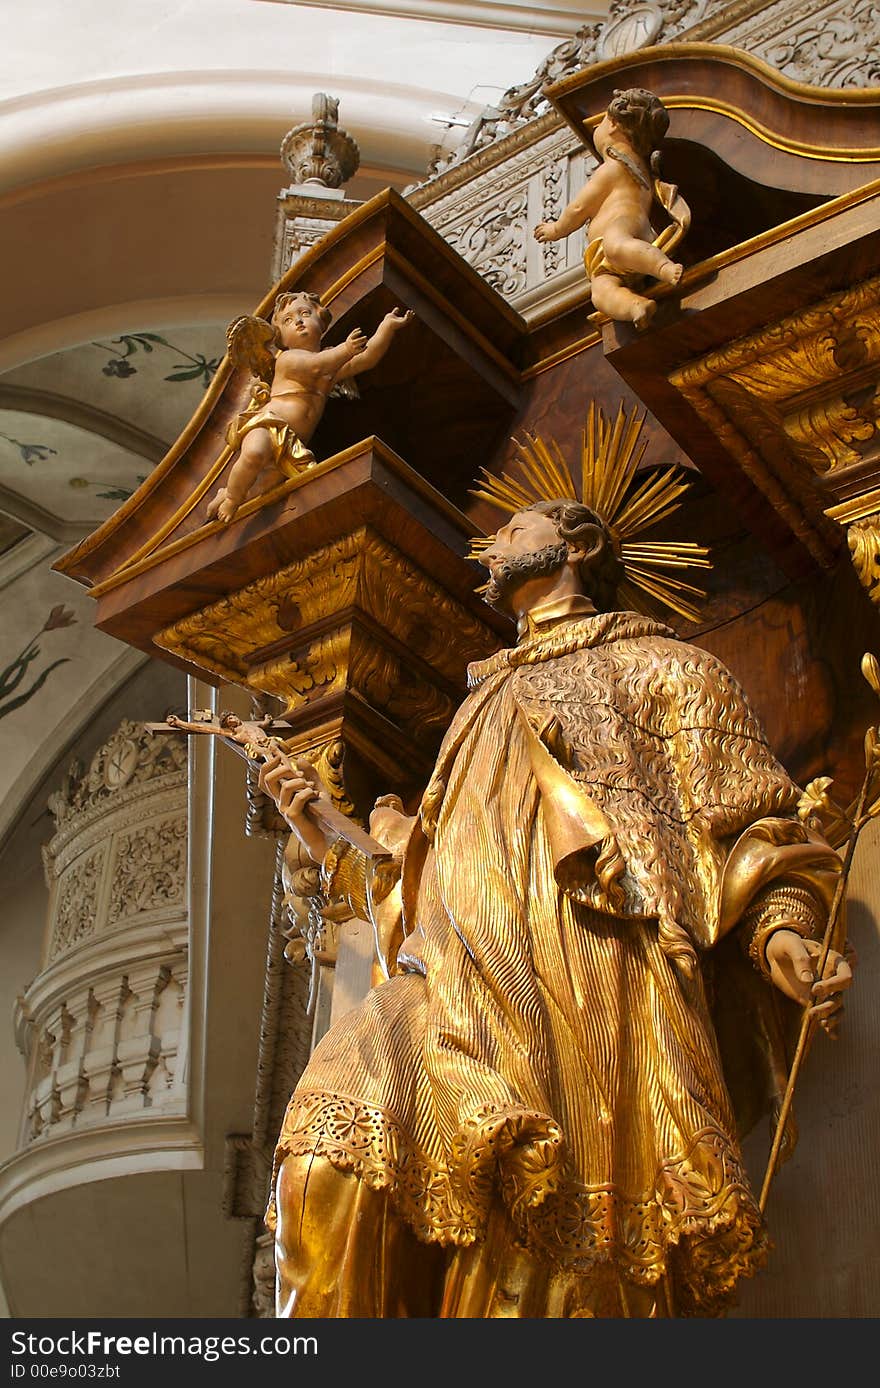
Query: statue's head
[(551, 546), (639, 116), (300, 320)]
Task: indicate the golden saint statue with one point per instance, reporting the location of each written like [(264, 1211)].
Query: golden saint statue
[(537, 1113)]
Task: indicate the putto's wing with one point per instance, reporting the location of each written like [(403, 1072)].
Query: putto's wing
[(250, 341), (345, 390)]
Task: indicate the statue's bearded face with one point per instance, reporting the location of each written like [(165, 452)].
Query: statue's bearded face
[(526, 549)]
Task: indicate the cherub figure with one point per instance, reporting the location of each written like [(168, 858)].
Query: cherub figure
[(618, 201), (295, 379)]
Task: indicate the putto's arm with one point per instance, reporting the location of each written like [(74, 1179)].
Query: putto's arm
[(377, 345), (579, 211)]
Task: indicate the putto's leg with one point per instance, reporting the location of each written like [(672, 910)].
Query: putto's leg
[(256, 453), (639, 257), (611, 297)]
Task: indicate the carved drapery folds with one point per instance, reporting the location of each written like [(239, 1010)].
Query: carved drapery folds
[(101, 1026)]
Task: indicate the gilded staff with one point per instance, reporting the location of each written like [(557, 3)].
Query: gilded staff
[(257, 743), (855, 818)]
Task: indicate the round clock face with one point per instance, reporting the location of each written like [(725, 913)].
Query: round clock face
[(120, 765)]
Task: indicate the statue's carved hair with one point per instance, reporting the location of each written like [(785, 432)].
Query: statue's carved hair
[(325, 317), (642, 117), (601, 573)]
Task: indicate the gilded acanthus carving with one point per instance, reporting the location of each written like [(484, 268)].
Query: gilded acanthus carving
[(411, 668), (834, 343), (825, 432), (796, 399), (863, 538)]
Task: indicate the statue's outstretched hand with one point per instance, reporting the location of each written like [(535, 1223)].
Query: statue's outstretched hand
[(398, 319), (293, 792), (794, 963)]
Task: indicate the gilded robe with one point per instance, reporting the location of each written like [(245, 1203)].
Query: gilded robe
[(603, 810)]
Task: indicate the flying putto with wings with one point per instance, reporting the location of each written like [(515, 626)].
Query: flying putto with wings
[(294, 378)]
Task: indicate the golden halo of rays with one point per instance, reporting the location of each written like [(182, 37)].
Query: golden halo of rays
[(610, 456)]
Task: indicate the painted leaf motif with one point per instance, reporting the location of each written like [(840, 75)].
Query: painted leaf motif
[(186, 373)]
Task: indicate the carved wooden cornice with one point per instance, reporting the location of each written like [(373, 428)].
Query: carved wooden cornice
[(708, 82), (490, 157), (814, 373), (354, 633)]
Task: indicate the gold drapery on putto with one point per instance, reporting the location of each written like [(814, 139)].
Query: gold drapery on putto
[(548, 1050), (289, 454)]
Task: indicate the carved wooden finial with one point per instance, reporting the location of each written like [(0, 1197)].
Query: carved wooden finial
[(320, 152)]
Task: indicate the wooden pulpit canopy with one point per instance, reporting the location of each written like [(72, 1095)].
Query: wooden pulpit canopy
[(430, 413)]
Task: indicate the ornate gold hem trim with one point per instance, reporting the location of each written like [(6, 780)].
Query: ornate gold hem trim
[(699, 1221)]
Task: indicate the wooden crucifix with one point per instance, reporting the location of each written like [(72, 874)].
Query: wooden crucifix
[(259, 742)]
